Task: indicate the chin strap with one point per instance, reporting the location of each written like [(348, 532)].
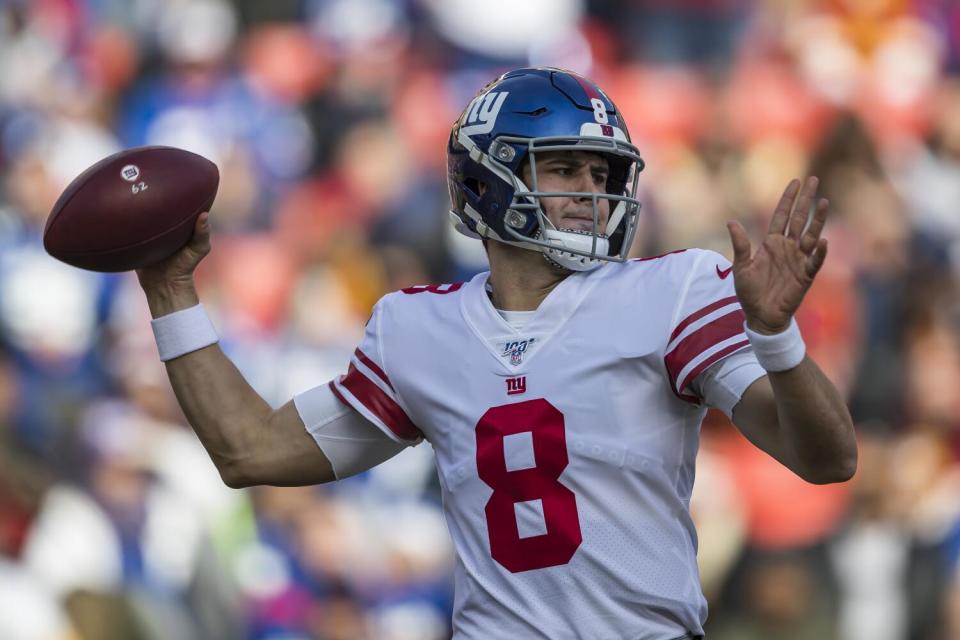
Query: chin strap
[(574, 240), (569, 239)]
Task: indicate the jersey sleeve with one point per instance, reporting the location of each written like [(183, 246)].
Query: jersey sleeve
[(367, 388), (706, 327), (722, 385), (350, 442)]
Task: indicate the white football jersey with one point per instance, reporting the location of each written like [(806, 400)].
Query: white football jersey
[(565, 450)]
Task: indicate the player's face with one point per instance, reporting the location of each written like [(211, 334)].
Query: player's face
[(571, 171)]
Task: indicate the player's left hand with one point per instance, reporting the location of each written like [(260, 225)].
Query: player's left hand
[(771, 283)]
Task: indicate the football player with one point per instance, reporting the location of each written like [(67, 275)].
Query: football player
[(562, 390)]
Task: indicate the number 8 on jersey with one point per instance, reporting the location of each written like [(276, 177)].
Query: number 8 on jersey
[(541, 482)]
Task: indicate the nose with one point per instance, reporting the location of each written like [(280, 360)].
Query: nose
[(586, 184)]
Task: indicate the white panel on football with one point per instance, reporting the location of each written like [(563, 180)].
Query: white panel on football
[(518, 451), (530, 520)]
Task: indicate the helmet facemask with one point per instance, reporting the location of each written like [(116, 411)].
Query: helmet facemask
[(576, 250)]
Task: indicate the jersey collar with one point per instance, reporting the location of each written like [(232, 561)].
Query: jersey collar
[(552, 314)]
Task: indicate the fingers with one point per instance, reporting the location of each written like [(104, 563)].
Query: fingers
[(808, 241), (815, 261), (781, 215), (740, 241), (801, 212)]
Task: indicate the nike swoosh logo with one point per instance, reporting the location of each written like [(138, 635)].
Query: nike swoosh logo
[(724, 273)]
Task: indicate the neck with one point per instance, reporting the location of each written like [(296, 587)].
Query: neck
[(520, 278)]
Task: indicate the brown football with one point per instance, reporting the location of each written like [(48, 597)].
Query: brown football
[(131, 210)]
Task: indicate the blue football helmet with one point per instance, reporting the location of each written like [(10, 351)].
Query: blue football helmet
[(524, 112)]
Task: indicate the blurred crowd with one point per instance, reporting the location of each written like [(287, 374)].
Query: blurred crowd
[(328, 121)]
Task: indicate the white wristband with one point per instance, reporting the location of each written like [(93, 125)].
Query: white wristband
[(183, 331), (780, 351)]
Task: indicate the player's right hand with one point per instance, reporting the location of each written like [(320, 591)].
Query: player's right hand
[(177, 270)]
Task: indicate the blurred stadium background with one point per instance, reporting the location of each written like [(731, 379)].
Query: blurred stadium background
[(328, 120)]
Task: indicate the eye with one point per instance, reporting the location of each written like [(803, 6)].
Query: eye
[(563, 171), (600, 178)]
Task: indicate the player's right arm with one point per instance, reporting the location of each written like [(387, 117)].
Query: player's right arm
[(249, 442)]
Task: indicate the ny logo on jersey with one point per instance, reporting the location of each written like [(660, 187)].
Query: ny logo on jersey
[(482, 113), (516, 385), (516, 349)]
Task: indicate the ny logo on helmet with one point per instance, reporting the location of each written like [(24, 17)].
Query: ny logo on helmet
[(482, 113)]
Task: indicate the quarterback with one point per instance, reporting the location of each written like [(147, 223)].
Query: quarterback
[(562, 390)]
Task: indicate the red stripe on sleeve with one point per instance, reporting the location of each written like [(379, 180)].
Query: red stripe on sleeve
[(696, 315), (380, 404), (703, 366), (336, 392), (373, 366), (693, 345)]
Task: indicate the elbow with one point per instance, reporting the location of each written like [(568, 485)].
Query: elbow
[(831, 476), (839, 470), (235, 475), (849, 467), (838, 461)]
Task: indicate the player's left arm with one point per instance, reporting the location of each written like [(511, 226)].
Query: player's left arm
[(797, 415)]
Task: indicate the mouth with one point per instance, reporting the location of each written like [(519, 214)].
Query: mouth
[(584, 232), (577, 223)]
